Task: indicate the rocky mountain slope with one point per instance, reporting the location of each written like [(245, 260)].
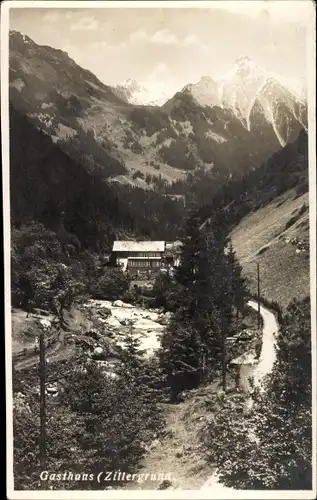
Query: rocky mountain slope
[(140, 145), (249, 91)]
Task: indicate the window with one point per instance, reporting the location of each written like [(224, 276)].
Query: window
[(139, 263)]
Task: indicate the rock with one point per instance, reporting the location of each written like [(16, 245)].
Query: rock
[(105, 304), (113, 322), (164, 319), (117, 303), (105, 312), (154, 443), (165, 484), (111, 375), (98, 351), (178, 454), (51, 389), (187, 450), (41, 312), (181, 396), (45, 323), (93, 334), (167, 433), (125, 321)]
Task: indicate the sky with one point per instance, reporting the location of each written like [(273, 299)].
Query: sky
[(167, 48)]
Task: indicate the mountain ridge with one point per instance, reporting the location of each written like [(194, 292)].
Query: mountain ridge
[(149, 146)]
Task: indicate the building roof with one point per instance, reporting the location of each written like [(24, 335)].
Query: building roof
[(138, 246)]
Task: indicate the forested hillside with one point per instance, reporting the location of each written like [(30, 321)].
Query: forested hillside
[(49, 186)]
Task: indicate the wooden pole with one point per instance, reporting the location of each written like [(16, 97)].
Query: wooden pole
[(224, 338), (259, 315), (42, 408)]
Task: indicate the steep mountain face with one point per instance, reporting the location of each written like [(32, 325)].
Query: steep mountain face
[(248, 90), (135, 93), (206, 91), (147, 146)]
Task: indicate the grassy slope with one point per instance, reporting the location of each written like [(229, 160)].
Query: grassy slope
[(259, 237)]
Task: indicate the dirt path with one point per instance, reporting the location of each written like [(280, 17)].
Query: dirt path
[(268, 351)]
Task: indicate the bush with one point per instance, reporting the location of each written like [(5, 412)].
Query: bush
[(39, 274), (111, 285)]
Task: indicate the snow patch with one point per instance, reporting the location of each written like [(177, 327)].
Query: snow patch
[(216, 137)]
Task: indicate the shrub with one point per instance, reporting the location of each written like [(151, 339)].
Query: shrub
[(111, 285)]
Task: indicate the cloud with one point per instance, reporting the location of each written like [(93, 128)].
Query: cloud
[(52, 16), (105, 45), (288, 11), (87, 23), (165, 37), (158, 72)]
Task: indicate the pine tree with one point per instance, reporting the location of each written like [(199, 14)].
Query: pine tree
[(180, 357), (237, 284), (131, 354), (138, 372)]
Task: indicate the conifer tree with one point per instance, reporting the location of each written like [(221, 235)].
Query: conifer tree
[(180, 357), (137, 371)]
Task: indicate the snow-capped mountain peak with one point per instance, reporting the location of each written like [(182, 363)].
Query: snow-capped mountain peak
[(141, 94), (205, 91), (246, 87)]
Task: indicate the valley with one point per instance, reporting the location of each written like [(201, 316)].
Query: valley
[(138, 222)]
